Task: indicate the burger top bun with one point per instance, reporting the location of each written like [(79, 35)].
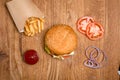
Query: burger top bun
[(61, 39)]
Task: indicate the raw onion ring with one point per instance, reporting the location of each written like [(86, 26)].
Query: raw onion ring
[(91, 60)]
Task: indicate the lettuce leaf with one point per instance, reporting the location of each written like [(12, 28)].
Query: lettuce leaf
[(47, 50)]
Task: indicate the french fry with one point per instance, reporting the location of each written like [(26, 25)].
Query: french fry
[(42, 20), (32, 34), (27, 28), (29, 34), (32, 30), (33, 21), (33, 26), (26, 33), (39, 26)]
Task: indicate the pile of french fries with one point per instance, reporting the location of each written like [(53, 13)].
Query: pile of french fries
[(33, 26)]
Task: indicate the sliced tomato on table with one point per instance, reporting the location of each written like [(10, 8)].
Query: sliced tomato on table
[(94, 31), (83, 22)]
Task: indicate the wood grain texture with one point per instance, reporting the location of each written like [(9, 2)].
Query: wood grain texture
[(14, 44)]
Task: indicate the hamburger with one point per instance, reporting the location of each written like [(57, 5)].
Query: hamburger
[(60, 41)]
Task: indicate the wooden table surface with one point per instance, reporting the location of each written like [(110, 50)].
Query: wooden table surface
[(13, 44)]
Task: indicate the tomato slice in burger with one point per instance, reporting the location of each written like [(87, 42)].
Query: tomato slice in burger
[(83, 22), (94, 31), (66, 56)]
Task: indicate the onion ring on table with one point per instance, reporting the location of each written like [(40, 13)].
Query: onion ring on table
[(91, 64), (92, 61), (94, 48)]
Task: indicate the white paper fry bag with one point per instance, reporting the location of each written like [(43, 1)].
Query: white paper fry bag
[(21, 10)]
